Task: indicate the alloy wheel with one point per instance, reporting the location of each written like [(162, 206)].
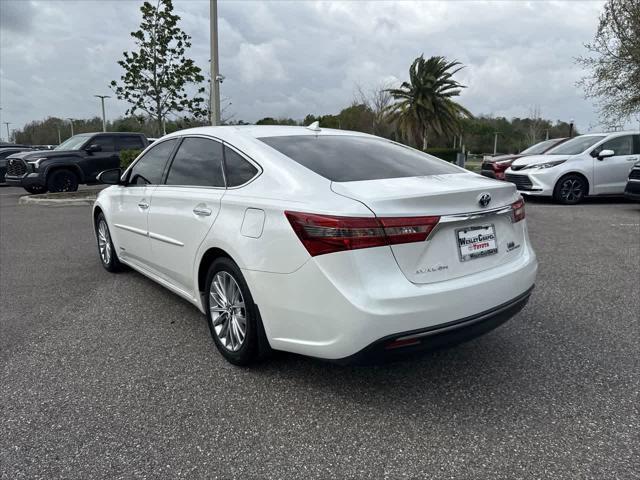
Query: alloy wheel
[(228, 313), (104, 242), (571, 190)]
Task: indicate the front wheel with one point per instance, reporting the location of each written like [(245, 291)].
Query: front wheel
[(107, 252), (570, 189), (232, 316), (62, 181), (35, 189)]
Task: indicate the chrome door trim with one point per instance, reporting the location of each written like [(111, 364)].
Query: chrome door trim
[(139, 231), (169, 240)]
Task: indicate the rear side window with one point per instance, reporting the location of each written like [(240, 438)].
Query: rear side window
[(106, 142), (129, 142), (351, 158), (239, 171), (149, 169), (198, 162)]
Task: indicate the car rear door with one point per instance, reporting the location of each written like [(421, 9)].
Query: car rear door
[(133, 201), (184, 209), (611, 173)]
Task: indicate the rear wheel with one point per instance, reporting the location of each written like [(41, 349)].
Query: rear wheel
[(106, 251), (232, 316), (62, 181), (36, 189), (570, 189)]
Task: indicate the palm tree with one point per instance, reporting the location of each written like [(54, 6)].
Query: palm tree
[(424, 104)]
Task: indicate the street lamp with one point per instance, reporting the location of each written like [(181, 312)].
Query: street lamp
[(495, 143), (104, 119), (571, 128), (71, 122), (216, 78), (8, 136)]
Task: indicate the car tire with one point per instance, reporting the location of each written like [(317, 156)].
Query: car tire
[(570, 189), (227, 302), (106, 250), (62, 181), (35, 189)]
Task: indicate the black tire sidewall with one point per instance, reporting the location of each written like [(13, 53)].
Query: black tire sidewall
[(556, 191), (248, 353), (51, 181), (114, 264), (35, 190)]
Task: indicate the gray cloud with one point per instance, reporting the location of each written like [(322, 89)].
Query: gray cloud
[(293, 58)]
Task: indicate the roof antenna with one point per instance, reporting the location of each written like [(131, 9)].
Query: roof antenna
[(315, 126)]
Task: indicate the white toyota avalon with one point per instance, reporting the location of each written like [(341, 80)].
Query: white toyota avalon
[(328, 243)]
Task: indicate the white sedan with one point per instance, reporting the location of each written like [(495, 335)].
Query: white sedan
[(328, 243)]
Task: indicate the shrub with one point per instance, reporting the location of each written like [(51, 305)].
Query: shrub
[(448, 154), (127, 157)]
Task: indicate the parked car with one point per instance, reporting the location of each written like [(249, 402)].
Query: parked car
[(6, 150), (496, 166), (78, 160), (632, 189), (593, 164), (327, 243)]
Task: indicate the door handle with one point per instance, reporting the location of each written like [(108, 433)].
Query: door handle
[(202, 211), (631, 159), (143, 205)]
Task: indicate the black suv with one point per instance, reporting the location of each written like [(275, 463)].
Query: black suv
[(76, 160)]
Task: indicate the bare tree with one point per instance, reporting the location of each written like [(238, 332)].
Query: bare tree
[(614, 62), (536, 125), (378, 100)]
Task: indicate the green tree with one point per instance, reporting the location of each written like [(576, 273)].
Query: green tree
[(157, 75), (614, 62), (424, 104)]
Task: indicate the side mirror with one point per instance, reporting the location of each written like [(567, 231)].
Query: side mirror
[(605, 154), (110, 177), (93, 148)]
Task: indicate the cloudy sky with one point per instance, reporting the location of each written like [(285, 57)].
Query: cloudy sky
[(287, 59)]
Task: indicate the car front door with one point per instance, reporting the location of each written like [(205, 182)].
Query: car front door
[(104, 158), (132, 203), (610, 174), (185, 208)]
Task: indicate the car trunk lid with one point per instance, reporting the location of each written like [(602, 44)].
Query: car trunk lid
[(470, 237)]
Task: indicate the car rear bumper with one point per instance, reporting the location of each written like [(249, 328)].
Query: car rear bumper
[(338, 305), (418, 341)]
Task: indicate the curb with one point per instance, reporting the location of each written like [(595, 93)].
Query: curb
[(45, 199)]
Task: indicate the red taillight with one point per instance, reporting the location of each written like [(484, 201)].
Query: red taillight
[(322, 234), (517, 211)]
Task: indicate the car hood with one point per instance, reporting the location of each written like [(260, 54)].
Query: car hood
[(31, 155), (502, 158), (538, 159)]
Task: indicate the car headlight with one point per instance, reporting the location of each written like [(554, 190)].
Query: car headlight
[(540, 166), (35, 163)]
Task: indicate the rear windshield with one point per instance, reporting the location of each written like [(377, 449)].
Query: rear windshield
[(344, 158)]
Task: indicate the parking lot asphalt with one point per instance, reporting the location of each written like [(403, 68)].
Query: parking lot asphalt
[(112, 376)]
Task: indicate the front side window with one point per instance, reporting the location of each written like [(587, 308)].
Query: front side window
[(198, 162), (347, 158), (149, 169), (129, 142), (238, 170), (620, 145), (106, 143)]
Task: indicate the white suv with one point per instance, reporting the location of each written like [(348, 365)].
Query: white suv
[(593, 164)]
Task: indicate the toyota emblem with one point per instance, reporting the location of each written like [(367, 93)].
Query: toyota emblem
[(484, 199)]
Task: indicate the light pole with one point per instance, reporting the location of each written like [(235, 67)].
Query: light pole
[(71, 122), (216, 78), (8, 136), (59, 139), (571, 128), (104, 119), (495, 143)]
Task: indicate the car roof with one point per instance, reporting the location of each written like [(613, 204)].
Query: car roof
[(260, 131), (623, 132)]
